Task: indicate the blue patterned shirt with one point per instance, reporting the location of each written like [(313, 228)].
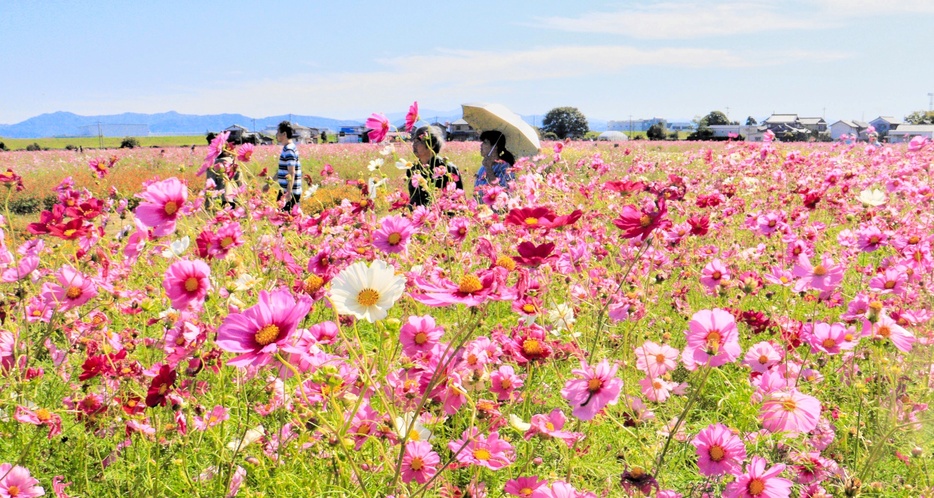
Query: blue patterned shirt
[(289, 158)]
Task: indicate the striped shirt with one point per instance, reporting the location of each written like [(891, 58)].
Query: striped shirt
[(289, 158)]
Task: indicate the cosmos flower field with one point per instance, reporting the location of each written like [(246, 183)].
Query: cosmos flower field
[(651, 319)]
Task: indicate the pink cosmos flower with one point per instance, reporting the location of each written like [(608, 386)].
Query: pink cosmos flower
[(719, 451), (504, 382), (779, 276), (825, 276), (893, 280), (789, 411), (917, 143), (887, 328), (379, 127), (870, 239), (217, 415), (758, 482), (714, 274), (551, 426), (260, 331), (470, 291), (712, 338), (594, 389), (524, 486), (39, 417), (490, 452), (245, 152), (412, 116), (830, 338), (419, 335), (73, 289), (761, 357), (393, 234), (162, 203), (656, 360), (558, 489), (27, 265), (16, 481), (636, 222), (419, 462), (7, 350), (186, 282), (656, 389)]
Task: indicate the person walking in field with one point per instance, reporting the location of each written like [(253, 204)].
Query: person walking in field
[(289, 175)]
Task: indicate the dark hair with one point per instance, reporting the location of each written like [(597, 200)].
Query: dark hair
[(432, 136), (286, 127), (498, 141)]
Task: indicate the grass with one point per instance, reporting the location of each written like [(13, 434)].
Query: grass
[(55, 143)]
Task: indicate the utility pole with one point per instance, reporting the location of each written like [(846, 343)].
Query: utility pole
[(254, 125), (930, 101), (100, 136), (630, 125)]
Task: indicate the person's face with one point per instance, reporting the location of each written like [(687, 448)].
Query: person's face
[(281, 137), (421, 150), (485, 148)]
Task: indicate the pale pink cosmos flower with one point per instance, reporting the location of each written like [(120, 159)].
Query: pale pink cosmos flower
[(393, 234), (870, 239), (235, 482), (656, 389), (779, 276), (260, 331), (719, 451), (186, 282), (656, 360), (419, 335), (7, 350), (504, 382), (789, 411), (72, 290), (484, 451), (894, 280), (552, 426), (712, 338), (217, 415), (419, 462), (758, 482), (761, 357), (524, 487), (830, 338), (594, 389), (245, 152), (558, 489), (162, 203), (214, 149), (714, 274), (16, 481), (825, 276), (887, 328), (39, 417)]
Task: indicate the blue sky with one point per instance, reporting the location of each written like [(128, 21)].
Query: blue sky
[(841, 59)]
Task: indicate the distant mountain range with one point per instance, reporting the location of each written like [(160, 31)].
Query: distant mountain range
[(67, 124)]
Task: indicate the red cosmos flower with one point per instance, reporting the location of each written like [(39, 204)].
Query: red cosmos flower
[(87, 210), (811, 198), (159, 389), (47, 218), (9, 179), (72, 230), (412, 116), (624, 186), (534, 255), (641, 222), (699, 225), (530, 217)]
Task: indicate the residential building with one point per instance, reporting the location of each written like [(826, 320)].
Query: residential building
[(883, 124), (461, 131), (848, 127), (905, 132), (814, 125)]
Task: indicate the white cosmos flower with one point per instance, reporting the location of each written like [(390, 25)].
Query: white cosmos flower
[(404, 163), (375, 164), (245, 282), (418, 433), (561, 317), (518, 424), (366, 292), (388, 149), (874, 197), (251, 436), (310, 191), (177, 248)]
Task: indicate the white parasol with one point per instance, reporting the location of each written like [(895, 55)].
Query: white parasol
[(521, 138)]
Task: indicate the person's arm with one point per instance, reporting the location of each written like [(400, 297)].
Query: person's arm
[(290, 179)]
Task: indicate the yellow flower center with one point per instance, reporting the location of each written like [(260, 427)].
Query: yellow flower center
[(416, 464), (506, 262), (637, 472), (716, 275), (531, 347), (789, 405), (70, 232), (368, 297), (889, 284), (763, 359), (660, 358), (550, 426), (828, 343), (394, 238), (469, 284), (874, 239), (482, 454), (171, 207), (820, 271), (414, 435), (506, 384), (43, 415), (885, 331), (525, 492), (73, 292), (713, 341), (226, 241), (529, 308), (716, 453), (875, 306), (267, 334), (531, 221), (421, 338), (313, 283), (191, 284), (594, 385), (13, 491), (914, 239), (644, 221), (756, 487)]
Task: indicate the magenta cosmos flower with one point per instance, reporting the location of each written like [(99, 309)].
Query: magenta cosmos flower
[(825, 276), (412, 116), (72, 290), (261, 330), (758, 482), (490, 452), (419, 335), (393, 234), (789, 410), (16, 481), (714, 274), (593, 390), (162, 203), (712, 338), (471, 290), (419, 462), (186, 282), (379, 127), (719, 451), (635, 222), (524, 486), (655, 359)]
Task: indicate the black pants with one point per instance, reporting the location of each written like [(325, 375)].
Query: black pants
[(293, 200)]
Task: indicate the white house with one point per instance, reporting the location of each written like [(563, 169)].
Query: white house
[(817, 125), (905, 132), (847, 127)]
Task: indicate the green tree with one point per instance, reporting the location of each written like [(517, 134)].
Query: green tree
[(714, 118), (565, 122), (920, 117), (129, 143), (657, 132), (751, 121)]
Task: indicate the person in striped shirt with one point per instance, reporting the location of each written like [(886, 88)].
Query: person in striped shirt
[(289, 175)]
